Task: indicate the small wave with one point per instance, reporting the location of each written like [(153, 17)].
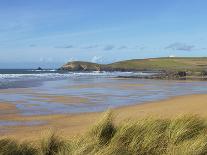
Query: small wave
[(103, 73), (44, 70), (17, 80), (30, 76)]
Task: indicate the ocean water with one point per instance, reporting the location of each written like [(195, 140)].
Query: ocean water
[(52, 92), (23, 78)]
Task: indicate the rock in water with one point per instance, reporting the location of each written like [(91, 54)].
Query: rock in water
[(39, 68)]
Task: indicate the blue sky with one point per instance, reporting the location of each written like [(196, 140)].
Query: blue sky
[(49, 33)]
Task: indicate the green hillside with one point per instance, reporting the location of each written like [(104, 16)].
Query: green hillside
[(151, 64)]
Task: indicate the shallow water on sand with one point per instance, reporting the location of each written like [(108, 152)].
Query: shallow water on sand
[(86, 93)]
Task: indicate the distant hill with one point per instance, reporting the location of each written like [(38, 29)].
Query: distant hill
[(151, 64), (81, 66)]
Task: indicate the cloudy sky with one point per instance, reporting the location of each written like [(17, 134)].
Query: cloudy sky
[(49, 33)]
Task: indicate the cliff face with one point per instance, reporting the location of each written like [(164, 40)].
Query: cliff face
[(81, 66), (89, 66)]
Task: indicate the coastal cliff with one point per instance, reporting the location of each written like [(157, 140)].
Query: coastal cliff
[(81, 66), (168, 68)]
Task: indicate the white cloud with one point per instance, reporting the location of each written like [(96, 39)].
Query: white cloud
[(108, 47), (97, 59), (180, 47)]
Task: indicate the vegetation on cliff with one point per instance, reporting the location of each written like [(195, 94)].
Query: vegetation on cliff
[(153, 64), (167, 68), (81, 66)]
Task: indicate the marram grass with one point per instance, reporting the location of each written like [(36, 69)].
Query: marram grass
[(184, 135)]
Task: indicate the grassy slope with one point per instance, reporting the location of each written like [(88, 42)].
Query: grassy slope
[(184, 135), (153, 64), (163, 64)]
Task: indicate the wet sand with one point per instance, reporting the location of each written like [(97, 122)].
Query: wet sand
[(8, 110), (105, 85), (75, 124), (60, 99)]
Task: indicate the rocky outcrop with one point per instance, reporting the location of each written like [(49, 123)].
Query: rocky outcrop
[(204, 73), (39, 68), (81, 66), (162, 75), (174, 74)]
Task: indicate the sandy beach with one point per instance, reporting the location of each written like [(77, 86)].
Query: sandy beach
[(75, 124)]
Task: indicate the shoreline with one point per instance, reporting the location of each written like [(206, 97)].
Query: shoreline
[(70, 125)]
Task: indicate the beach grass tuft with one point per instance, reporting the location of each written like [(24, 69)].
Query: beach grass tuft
[(54, 145), (184, 135), (12, 147)]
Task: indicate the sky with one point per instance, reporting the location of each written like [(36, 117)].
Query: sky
[(49, 33)]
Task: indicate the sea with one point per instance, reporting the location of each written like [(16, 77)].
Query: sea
[(23, 78)]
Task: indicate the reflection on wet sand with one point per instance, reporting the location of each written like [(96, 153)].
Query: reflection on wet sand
[(7, 109), (70, 125), (66, 105), (60, 99), (104, 85), (17, 91)]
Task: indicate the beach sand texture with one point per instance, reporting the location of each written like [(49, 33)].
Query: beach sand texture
[(69, 125)]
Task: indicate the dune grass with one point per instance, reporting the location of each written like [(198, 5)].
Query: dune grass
[(184, 135)]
